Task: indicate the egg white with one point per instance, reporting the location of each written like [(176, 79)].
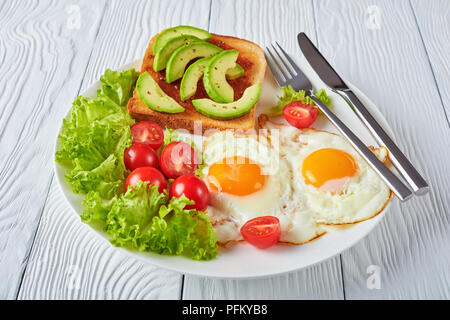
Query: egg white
[(228, 213), (364, 195)]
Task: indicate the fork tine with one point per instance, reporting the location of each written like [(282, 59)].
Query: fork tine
[(292, 63), (284, 62), (277, 72), (282, 78)]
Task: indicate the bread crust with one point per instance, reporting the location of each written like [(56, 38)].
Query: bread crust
[(251, 58)]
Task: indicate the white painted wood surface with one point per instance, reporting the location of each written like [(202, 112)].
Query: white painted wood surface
[(433, 19), (42, 62), (390, 64), (402, 63)]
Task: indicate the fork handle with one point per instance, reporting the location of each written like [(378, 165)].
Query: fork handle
[(403, 165), (394, 183)]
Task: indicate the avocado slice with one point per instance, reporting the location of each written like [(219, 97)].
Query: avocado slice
[(234, 73), (215, 82), (183, 55), (163, 55), (227, 111), (195, 71), (170, 33), (154, 97)]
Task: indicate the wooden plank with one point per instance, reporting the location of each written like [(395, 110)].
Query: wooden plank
[(44, 49), (433, 18), (68, 260), (377, 46), (265, 22), (323, 281), (124, 35)]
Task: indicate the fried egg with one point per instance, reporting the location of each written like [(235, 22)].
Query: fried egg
[(248, 179), (335, 184)]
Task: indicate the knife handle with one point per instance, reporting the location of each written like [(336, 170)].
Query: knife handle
[(394, 183), (399, 160)]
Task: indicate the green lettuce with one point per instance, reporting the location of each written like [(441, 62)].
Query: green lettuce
[(170, 135), (117, 87), (179, 231), (95, 135), (92, 143), (143, 220), (289, 95)]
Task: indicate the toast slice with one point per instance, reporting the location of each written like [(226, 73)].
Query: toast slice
[(251, 58)]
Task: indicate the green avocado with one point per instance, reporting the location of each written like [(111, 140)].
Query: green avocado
[(215, 82), (228, 111), (154, 97), (234, 73), (170, 33), (163, 55), (195, 71), (182, 56)]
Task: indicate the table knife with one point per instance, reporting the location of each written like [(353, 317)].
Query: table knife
[(337, 85)]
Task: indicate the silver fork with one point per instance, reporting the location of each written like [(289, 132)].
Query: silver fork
[(286, 72)]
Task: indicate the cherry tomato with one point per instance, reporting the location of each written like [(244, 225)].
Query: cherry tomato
[(150, 174), (193, 188), (140, 155), (147, 132), (262, 232), (178, 158), (300, 115)]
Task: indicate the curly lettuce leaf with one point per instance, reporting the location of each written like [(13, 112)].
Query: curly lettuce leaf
[(289, 95), (95, 134), (170, 135), (322, 96), (107, 176), (199, 172), (117, 87), (96, 209), (131, 214), (178, 231), (141, 219)]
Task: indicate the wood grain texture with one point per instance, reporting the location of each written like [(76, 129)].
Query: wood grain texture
[(433, 18), (403, 66), (39, 49), (265, 22), (323, 281), (390, 65), (68, 260)]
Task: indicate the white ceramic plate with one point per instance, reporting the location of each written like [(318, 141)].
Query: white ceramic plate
[(243, 260)]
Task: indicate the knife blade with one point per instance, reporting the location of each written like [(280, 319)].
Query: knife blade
[(332, 79)]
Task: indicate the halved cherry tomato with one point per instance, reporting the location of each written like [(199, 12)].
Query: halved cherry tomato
[(150, 174), (140, 155), (147, 132), (178, 158), (193, 188), (300, 115), (262, 232)]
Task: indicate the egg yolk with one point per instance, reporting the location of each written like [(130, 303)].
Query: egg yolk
[(235, 175), (327, 165)]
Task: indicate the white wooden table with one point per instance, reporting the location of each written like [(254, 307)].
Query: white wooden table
[(397, 52)]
